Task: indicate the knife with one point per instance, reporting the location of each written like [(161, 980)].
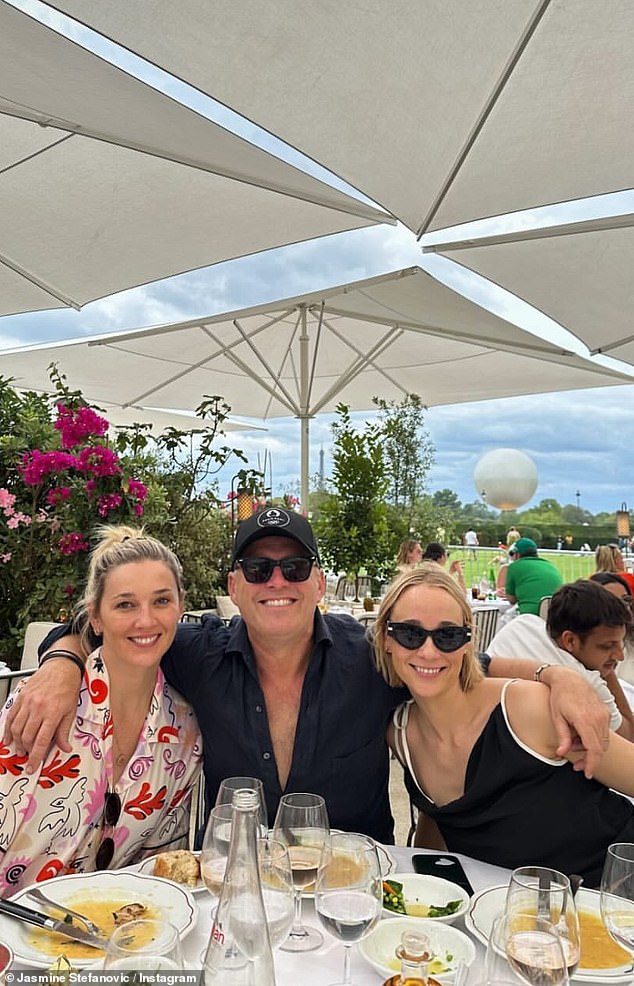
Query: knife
[(14, 910)]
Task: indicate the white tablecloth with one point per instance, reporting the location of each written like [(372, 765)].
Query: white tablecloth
[(325, 965), (500, 604)]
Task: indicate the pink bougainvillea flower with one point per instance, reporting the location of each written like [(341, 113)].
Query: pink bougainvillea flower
[(70, 544), (6, 557), (76, 425), (108, 502), (36, 465), (57, 495), (136, 489), (99, 460)]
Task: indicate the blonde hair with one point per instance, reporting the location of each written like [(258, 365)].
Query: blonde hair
[(605, 558), (435, 577), (118, 545), (404, 551)]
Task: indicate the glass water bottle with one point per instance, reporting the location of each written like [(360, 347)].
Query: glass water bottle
[(239, 951)]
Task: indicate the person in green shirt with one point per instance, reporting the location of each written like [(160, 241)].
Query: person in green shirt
[(530, 577)]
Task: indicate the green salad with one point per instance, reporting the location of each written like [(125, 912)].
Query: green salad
[(393, 900)]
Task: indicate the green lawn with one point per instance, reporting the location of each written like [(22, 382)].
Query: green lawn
[(571, 565)]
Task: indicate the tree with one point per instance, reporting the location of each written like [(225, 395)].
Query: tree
[(352, 526), (407, 449), (446, 498)]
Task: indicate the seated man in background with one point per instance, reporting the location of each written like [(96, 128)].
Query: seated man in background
[(586, 630), (530, 577)]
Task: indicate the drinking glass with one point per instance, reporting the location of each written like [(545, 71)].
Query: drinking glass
[(525, 949), (350, 592), (546, 893), (230, 785), (144, 945), (302, 825), (617, 894), (278, 891), (348, 891), (215, 848)]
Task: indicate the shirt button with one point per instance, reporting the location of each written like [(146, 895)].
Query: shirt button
[(258, 708), (266, 756)]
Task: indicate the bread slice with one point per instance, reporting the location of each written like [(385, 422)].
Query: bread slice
[(179, 865)]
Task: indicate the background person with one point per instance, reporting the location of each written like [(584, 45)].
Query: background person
[(500, 582), (479, 754), (585, 629), (288, 694), (530, 577), (122, 791), (619, 587), (608, 558), (409, 555), (437, 552), (471, 542)]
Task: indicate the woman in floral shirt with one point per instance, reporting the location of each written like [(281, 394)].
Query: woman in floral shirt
[(123, 790)]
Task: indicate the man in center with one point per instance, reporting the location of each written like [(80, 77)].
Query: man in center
[(285, 693)]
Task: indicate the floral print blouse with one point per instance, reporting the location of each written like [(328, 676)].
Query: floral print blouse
[(52, 822)]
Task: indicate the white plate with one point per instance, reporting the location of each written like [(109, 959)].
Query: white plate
[(172, 902), (422, 889), (147, 866), (486, 905), (379, 947)]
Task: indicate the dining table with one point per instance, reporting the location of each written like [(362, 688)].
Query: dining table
[(324, 965)]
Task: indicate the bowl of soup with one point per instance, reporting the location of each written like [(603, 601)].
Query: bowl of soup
[(6, 960)]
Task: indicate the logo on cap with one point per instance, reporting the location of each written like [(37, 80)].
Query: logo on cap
[(273, 518)]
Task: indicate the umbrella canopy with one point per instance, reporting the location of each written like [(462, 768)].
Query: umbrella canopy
[(163, 418), (402, 333), (106, 183), (579, 274), (443, 112)]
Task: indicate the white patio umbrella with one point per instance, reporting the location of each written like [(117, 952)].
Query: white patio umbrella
[(106, 183), (443, 112), (402, 333), (579, 274)]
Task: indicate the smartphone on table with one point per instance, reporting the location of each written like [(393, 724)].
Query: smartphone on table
[(443, 865)]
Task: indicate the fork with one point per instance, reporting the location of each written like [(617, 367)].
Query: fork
[(40, 896)]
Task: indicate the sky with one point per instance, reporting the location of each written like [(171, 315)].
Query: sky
[(579, 440)]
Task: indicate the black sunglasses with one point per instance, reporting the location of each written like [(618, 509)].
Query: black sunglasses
[(446, 639), (111, 813), (260, 570)]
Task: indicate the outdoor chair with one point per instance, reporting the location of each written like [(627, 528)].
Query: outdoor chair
[(35, 634), (544, 603), (226, 608), (486, 624)]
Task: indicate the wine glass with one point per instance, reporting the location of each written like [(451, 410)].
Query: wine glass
[(546, 893), (350, 591), (278, 892), (302, 825), (348, 891), (525, 949), (230, 785), (144, 944), (215, 848), (617, 894)]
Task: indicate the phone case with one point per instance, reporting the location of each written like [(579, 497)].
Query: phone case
[(443, 865)]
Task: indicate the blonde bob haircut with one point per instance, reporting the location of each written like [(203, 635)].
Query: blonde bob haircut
[(118, 545), (435, 577), (605, 557)]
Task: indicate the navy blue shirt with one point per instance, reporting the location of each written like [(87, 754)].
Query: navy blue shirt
[(339, 751)]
